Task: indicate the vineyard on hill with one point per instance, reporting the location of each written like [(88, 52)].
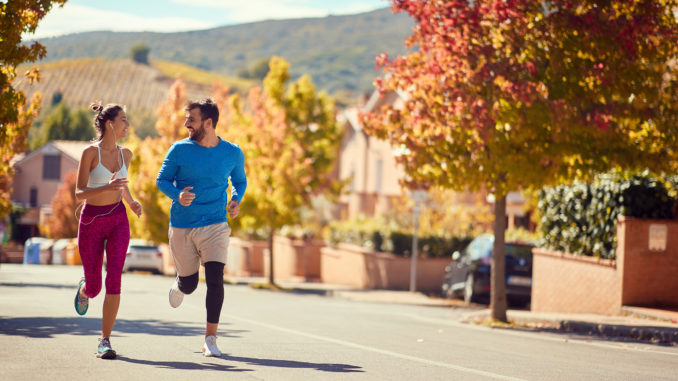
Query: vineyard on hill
[(336, 51), (139, 87)]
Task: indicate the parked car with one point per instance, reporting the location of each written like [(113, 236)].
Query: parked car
[(143, 255), (469, 274)]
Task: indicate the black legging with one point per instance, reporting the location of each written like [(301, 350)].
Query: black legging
[(214, 277)]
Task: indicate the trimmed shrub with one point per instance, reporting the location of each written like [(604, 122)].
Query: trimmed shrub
[(372, 235), (582, 218)]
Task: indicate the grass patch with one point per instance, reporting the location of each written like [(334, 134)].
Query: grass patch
[(268, 286), (493, 323), (204, 77)]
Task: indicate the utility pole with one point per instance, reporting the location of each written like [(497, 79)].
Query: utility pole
[(418, 196)]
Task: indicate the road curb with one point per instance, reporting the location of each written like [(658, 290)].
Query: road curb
[(664, 335), (656, 334)]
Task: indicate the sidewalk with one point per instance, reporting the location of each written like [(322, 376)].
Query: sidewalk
[(637, 323)]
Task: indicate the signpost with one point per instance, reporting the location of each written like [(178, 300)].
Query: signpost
[(418, 196)]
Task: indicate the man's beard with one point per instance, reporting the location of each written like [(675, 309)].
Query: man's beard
[(198, 133)]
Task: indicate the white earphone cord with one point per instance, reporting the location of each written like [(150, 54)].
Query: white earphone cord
[(82, 204)]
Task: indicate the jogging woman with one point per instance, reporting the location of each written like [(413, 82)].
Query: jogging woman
[(102, 185)]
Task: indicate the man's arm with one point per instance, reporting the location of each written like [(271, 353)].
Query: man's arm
[(167, 174), (238, 179)]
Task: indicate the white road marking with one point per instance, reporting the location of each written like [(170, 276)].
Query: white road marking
[(509, 332), (377, 350)]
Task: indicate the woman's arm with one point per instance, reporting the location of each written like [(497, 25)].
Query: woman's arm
[(126, 194)]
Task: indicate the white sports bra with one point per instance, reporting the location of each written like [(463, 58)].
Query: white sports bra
[(100, 175)]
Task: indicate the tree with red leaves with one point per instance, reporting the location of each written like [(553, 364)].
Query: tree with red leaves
[(62, 222), (518, 94)]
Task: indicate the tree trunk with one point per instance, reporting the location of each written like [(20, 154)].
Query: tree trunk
[(498, 291), (270, 257)]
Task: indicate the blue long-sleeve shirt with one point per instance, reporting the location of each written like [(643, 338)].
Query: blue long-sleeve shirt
[(207, 170)]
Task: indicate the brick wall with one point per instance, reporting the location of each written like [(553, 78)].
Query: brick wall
[(245, 258), (362, 268), (294, 259), (576, 284), (650, 277), (563, 282)]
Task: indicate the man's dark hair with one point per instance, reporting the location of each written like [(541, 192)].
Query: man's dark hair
[(208, 110)]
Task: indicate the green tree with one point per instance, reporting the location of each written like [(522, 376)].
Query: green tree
[(290, 139), (57, 97), (257, 71), (60, 123), (522, 93), (17, 18), (143, 121), (140, 53)]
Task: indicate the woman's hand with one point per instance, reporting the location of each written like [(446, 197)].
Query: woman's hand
[(136, 208), (117, 184)]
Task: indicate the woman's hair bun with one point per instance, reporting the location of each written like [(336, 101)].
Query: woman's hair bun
[(96, 107)]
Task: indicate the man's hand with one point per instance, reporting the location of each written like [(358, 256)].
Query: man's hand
[(233, 208), (186, 197)]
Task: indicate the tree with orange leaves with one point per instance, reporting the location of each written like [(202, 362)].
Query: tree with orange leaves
[(16, 114), (517, 94)]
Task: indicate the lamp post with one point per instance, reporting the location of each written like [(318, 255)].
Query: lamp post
[(418, 196)]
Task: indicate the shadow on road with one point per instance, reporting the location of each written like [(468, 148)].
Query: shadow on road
[(338, 368), (184, 365), (46, 327), (43, 285)]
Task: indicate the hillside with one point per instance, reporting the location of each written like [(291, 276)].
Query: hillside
[(337, 51), (140, 87)]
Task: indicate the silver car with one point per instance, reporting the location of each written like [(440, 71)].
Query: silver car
[(143, 255)]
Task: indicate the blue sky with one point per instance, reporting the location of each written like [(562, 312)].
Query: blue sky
[(183, 15)]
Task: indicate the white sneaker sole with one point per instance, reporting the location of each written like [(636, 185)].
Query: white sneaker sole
[(175, 298), (207, 353)]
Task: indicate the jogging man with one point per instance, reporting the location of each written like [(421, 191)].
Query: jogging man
[(195, 175)]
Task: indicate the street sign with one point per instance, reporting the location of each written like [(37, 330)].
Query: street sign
[(419, 195), (657, 239)]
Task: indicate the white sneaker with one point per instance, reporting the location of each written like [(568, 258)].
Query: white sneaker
[(175, 295), (210, 348)]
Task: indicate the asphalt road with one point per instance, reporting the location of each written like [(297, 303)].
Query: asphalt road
[(267, 335)]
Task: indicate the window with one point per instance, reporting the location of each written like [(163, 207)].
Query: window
[(51, 167), (33, 201)]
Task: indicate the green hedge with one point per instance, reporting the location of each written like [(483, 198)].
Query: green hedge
[(582, 218), (428, 246), (381, 239)]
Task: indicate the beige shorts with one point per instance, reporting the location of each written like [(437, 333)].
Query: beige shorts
[(191, 247)]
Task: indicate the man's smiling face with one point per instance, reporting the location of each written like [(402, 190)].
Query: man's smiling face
[(195, 124)]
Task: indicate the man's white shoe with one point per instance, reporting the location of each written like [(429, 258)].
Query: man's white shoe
[(210, 348), (175, 295)]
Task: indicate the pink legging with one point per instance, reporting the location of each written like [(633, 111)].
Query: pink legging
[(103, 225)]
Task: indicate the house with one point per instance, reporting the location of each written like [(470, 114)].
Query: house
[(38, 175), (370, 164)]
